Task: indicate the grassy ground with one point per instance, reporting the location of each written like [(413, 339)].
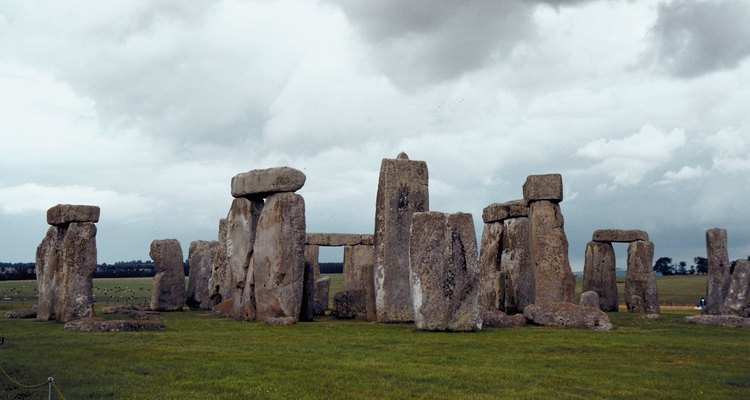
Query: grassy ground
[(201, 357)]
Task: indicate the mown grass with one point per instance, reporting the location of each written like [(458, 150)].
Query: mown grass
[(201, 357)]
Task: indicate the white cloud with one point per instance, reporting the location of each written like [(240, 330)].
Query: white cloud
[(685, 173)]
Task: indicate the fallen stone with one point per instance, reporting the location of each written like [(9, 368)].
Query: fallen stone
[(718, 278), (499, 319), (489, 266), (322, 288), (168, 292), (501, 211), (200, 258), (283, 321), (333, 239), (567, 315), (619, 235), (730, 321), (600, 275), (23, 313), (261, 183), (100, 325), (553, 278), (590, 299), (445, 272), (641, 293), (543, 187), (517, 282), (738, 295), (62, 214), (652, 317)]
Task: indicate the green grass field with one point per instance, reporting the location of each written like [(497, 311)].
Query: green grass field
[(201, 357)]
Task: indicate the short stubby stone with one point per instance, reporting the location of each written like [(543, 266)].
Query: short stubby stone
[(333, 239), (444, 272), (619, 235), (738, 295), (350, 304), (499, 319), (502, 211), (641, 293), (729, 321), (260, 183), (322, 289), (568, 315), (200, 259), (168, 292), (553, 278), (589, 299), (543, 187), (718, 279), (600, 275), (66, 213)]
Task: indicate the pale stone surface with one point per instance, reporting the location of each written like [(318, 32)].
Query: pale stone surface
[(242, 222), (101, 325), (334, 239), (445, 272), (367, 239), (543, 187), (567, 315), (200, 258), (553, 277), (260, 183), (66, 213), (219, 284), (736, 302), (590, 299), (619, 235), (359, 262), (322, 288), (499, 319), (48, 272), (402, 191), (730, 321), (312, 256), (641, 294), (600, 275), (502, 211), (168, 292), (312, 274), (489, 266), (516, 269), (717, 282), (281, 321), (278, 261)]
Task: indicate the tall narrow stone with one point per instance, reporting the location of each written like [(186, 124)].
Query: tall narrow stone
[(402, 191), (278, 261), (200, 259), (445, 272), (553, 278), (168, 292), (599, 274), (359, 263), (220, 286), (516, 266), (738, 295), (48, 270), (717, 284), (489, 266), (78, 254), (312, 274), (242, 221), (641, 293)]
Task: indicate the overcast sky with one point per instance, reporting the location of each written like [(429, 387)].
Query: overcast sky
[(148, 108)]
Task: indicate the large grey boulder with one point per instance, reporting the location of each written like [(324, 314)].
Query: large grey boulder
[(200, 259), (517, 281), (349, 304), (619, 235), (567, 315), (553, 278), (62, 214), (402, 191), (220, 282), (729, 321), (738, 295), (444, 272), (499, 319), (261, 183), (717, 284), (168, 292), (590, 299), (641, 293), (489, 266), (599, 274)]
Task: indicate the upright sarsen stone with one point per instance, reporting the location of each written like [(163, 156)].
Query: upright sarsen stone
[(78, 255), (168, 292), (717, 284), (359, 263), (517, 272), (553, 277), (48, 272), (736, 301), (242, 221), (641, 293), (599, 274), (490, 252), (200, 259), (402, 191), (219, 284), (445, 272)]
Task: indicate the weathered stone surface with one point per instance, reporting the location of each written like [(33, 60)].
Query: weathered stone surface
[(567, 315), (590, 299), (553, 277), (278, 260), (334, 239), (200, 258), (730, 321), (312, 274), (359, 262), (619, 235), (78, 255), (445, 272), (599, 274), (367, 240), (219, 284), (489, 266), (738, 295), (260, 183), (543, 187), (283, 321), (322, 288), (516, 268), (402, 191), (499, 319), (641, 294), (168, 292), (49, 272), (502, 211), (717, 282), (22, 313), (62, 214), (312, 256), (101, 325), (349, 304), (242, 222), (225, 309)]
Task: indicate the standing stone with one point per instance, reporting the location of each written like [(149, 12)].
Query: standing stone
[(200, 259), (242, 221), (516, 266), (359, 263), (312, 256), (278, 261), (322, 288), (402, 191), (599, 274), (168, 292), (553, 277), (220, 287), (48, 272), (641, 294), (718, 280), (78, 255), (736, 302), (445, 272), (312, 274), (489, 266)]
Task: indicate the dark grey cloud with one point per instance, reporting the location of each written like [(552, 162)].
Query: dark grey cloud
[(692, 38)]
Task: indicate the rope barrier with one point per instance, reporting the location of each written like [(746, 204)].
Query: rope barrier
[(51, 382)]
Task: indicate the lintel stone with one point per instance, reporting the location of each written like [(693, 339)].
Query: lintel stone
[(619, 235), (66, 213), (337, 239), (543, 187), (265, 182), (496, 212)]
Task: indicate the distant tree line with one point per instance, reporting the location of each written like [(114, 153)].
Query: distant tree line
[(331, 268), (665, 267), (120, 269)]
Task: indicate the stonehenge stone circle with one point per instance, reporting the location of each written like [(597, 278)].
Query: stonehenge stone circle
[(619, 235), (168, 292), (599, 274), (200, 259), (444, 272), (402, 191), (736, 302), (640, 283), (65, 263), (717, 284), (489, 266), (261, 183)]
